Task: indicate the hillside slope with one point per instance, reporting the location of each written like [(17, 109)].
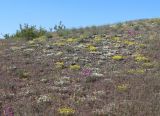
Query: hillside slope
[(114, 71)]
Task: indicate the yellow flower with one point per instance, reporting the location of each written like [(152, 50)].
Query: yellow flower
[(116, 38), (70, 40), (148, 65), (59, 44), (66, 111), (122, 87), (141, 58), (75, 67), (91, 48), (136, 71), (97, 39), (118, 57), (41, 39), (142, 45), (129, 42), (59, 64)]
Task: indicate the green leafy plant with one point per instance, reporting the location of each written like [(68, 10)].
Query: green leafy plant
[(61, 29), (28, 32), (6, 36)]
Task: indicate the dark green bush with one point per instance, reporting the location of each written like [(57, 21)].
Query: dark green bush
[(6, 36), (28, 32), (61, 29)]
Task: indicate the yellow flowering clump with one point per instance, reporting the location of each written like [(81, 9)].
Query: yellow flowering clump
[(142, 45), (97, 39), (122, 87), (66, 111), (31, 42), (59, 44), (118, 57), (117, 39), (129, 42), (82, 36), (70, 40), (75, 67), (41, 39), (59, 64), (91, 48), (141, 58), (136, 71), (148, 65)]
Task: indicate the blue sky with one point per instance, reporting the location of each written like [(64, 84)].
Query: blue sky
[(73, 13)]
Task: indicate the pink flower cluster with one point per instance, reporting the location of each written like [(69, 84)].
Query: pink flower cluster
[(86, 72), (132, 32), (8, 111)]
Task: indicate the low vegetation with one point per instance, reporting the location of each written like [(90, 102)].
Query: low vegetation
[(110, 70)]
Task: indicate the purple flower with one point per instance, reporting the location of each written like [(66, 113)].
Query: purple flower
[(86, 72), (8, 111), (131, 32)]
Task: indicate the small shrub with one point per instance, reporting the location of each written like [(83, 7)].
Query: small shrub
[(61, 29), (92, 79), (23, 74), (6, 36), (28, 32)]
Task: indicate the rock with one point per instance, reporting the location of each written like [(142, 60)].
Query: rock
[(125, 52), (96, 52), (119, 35), (75, 58), (14, 48), (95, 69), (105, 48), (44, 80), (97, 74), (49, 46), (100, 62), (13, 68), (59, 53), (23, 47), (28, 50), (62, 82), (102, 57), (80, 46), (50, 54), (109, 54)]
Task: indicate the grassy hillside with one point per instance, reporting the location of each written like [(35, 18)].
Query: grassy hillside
[(111, 70)]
